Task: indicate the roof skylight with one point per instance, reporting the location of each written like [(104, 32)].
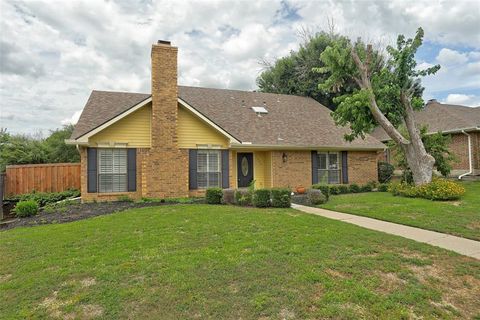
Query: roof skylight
[(259, 109)]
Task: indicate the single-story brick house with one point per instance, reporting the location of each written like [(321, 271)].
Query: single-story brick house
[(178, 140), (460, 122)]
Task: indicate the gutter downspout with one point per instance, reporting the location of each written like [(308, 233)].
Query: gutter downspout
[(469, 156)]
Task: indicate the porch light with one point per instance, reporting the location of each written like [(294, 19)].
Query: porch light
[(284, 157)]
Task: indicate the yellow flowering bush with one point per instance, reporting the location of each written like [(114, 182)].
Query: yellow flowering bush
[(438, 189)]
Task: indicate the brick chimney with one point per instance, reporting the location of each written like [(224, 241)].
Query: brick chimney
[(164, 95), (164, 165)]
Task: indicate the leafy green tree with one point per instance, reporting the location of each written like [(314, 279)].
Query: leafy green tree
[(56, 148), (294, 74), (435, 144), (387, 91), (20, 149), (24, 149)]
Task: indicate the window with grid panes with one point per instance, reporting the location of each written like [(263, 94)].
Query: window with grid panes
[(209, 168), (329, 167), (112, 170)]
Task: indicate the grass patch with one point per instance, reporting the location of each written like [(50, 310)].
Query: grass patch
[(226, 262), (460, 218)]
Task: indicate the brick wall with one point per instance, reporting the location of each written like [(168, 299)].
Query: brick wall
[(165, 165), (459, 147), (296, 171), (362, 166)]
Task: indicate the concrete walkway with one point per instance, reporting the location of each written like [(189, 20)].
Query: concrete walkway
[(463, 246)]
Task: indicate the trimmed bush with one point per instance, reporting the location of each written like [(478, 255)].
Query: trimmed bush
[(366, 188), (324, 188), (281, 198), (214, 196), (383, 187), (385, 172), (228, 196), (316, 197), (26, 208), (438, 189), (243, 197), (261, 198), (334, 189), (354, 188), (343, 188)]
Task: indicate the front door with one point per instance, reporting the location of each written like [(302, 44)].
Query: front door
[(244, 169)]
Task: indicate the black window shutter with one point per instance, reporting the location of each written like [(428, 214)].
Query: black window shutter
[(192, 169), (344, 167), (92, 170), (225, 169), (314, 167), (132, 169)]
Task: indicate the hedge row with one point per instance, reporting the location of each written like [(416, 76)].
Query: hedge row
[(44, 198), (261, 198), (334, 189)]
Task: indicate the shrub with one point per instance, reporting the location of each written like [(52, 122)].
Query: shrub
[(44, 198), (261, 198), (316, 197), (385, 172), (334, 189), (228, 196), (26, 208), (354, 188), (383, 187), (243, 197), (214, 196), (124, 198), (343, 188), (438, 189), (324, 188), (366, 188), (441, 189), (281, 198)]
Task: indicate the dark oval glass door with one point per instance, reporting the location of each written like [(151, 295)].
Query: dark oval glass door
[(244, 169)]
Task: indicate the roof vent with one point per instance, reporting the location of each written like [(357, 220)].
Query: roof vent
[(260, 110)]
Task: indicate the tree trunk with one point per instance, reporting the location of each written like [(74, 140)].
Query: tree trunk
[(420, 164), (419, 161)]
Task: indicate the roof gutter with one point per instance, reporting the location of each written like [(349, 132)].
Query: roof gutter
[(470, 162), (289, 147)]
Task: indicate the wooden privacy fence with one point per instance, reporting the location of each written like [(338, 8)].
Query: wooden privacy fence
[(50, 177)]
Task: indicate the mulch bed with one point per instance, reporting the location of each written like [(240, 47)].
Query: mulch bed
[(77, 211)]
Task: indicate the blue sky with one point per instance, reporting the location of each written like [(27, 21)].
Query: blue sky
[(50, 62)]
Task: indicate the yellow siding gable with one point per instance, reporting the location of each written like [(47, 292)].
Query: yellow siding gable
[(191, 131), (134, 129)]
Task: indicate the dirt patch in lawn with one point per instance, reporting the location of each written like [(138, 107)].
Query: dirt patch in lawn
[(68, 212), (460, 292)]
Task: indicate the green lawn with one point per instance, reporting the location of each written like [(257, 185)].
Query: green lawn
[(223, 262), (460, 218)]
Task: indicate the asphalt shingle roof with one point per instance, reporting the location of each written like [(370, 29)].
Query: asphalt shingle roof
[(291, 120), (441, 117)]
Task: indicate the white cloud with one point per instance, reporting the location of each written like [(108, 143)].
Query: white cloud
[(463, 99), (73, 119), (54, 53), (451, 57)]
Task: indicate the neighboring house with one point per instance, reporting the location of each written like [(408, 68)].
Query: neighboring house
[(460, 122), (180, 140)]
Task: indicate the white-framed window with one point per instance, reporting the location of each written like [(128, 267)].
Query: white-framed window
[(329, 168), (209, 169), (112, 170)]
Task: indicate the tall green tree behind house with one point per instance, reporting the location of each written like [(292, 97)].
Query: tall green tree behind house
[(387, 91), (294, 74), (57, 150), (24, 149)]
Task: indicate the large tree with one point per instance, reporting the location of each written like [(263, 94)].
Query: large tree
[(294, 73), (387, 91)]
